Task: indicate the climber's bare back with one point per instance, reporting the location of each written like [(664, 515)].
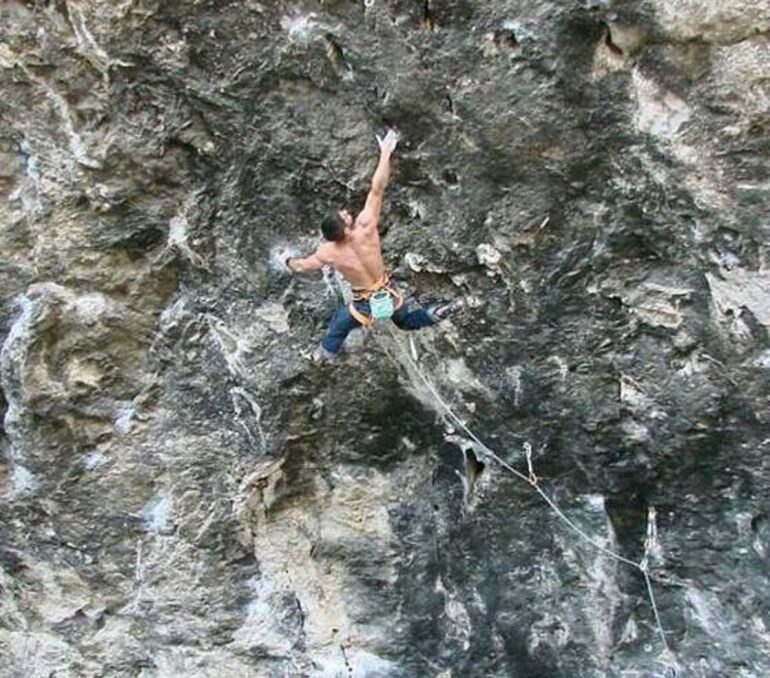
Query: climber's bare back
[(359, 256)]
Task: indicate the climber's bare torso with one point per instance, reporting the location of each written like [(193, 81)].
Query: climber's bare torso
[(358, 257)]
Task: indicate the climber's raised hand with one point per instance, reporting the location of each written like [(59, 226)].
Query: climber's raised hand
[(388, 142)]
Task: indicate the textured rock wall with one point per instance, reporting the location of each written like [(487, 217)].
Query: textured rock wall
[(182, 492)]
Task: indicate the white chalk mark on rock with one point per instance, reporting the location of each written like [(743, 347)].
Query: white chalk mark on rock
[(12, 358), (231, 345), (300, 27), (418, 262), (741, 288), (179, 234), (239, 396), (659, 113), (157, 514), (490, 257), (278, 256), (457, 621), (87, 44), (123, 419), (77, 146), (94, 460)]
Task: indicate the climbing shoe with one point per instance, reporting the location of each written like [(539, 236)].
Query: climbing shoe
[(445, 310)]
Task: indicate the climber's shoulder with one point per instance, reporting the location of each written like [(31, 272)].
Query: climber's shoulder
[(327, 253)]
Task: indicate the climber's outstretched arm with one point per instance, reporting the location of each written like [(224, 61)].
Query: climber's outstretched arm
[(370, 215), (306, 265)]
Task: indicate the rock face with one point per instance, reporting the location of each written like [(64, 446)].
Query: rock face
[(183, 492)]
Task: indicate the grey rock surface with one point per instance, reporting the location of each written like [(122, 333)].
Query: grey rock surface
[(183, 492)]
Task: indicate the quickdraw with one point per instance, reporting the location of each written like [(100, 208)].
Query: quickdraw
[(384, 300)]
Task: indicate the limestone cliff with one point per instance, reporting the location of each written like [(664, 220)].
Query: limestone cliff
[(184, 493)]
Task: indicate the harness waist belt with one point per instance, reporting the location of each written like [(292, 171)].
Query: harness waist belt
[(364, 294)]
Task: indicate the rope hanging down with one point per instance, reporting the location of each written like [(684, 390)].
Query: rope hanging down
[(651, 542)]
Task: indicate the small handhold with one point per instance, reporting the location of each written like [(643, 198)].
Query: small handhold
[(418, 263), (318, 407), (490, 257)]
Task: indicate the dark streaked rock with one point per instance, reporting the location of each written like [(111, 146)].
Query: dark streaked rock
[(182, 490)]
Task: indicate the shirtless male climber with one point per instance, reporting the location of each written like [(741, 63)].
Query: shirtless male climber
[(352, 247)]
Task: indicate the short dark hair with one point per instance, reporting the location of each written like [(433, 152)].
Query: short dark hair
[(333, 228)]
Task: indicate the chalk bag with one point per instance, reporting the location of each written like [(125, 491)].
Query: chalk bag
[(381, 305)]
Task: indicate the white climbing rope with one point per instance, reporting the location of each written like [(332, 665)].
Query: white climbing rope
[(651, 542)]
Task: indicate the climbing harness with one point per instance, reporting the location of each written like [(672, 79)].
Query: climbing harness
[(384, 300), (651, 543)]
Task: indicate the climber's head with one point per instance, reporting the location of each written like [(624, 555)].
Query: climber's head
[(335, 225)]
